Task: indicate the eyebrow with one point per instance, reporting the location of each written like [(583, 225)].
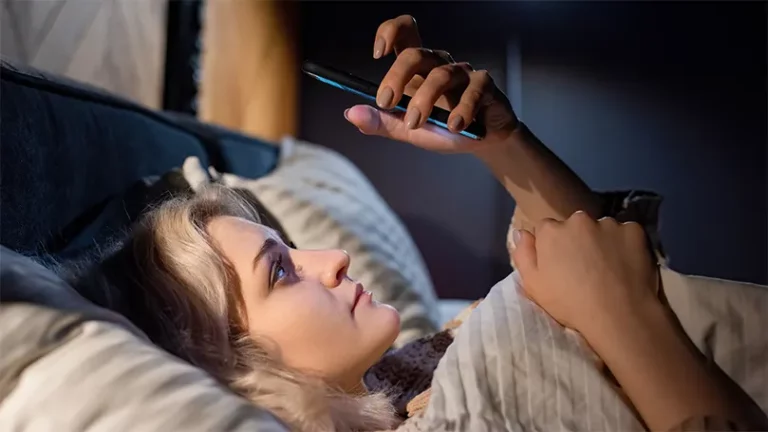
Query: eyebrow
[(268, 244)]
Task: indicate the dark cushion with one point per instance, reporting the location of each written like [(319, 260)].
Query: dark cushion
[(26, 281), (67, 147), (111, 220), (85, 248), (102, 231)]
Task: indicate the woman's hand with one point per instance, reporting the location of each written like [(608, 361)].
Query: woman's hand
[(597, 278), (431, 78), (586, 273)]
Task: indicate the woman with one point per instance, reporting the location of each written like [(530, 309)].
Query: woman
[(289, 330)]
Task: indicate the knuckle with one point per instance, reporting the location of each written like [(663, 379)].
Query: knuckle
[(407, 19), (413, 55), (465, 66), (633, 229), (582, 220), (444, 56), (581, 216), (608, 221), (484, 76)]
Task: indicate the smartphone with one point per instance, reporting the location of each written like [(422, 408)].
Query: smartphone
[(368, 90)]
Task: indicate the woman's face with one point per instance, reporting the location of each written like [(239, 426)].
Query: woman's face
[(303, 300)]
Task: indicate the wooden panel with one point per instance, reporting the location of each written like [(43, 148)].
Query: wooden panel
[(118, 45), (250, 67)]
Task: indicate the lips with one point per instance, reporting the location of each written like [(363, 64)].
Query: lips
[(359, 291)]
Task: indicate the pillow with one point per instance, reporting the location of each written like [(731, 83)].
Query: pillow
[(324, 202), (112, 218), (68, 146), (100, 230), (69, 365)]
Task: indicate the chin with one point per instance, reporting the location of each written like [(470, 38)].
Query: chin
[(390, 313), (386, 323), (394, 322)]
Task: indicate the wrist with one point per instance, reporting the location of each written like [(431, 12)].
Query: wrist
[(492, 151), (610, 330)]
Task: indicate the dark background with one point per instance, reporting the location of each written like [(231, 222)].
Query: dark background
[(669, 97)]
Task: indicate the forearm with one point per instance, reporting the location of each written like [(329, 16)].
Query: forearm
[(541, 184), (663, 374)]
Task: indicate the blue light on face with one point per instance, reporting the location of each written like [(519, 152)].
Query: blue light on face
[(397, 107)]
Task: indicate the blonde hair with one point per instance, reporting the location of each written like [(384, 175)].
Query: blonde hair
[(187, 298)]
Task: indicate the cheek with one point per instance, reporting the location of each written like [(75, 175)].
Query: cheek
[(301, 321)]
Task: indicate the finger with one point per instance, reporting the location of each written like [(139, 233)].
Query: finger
[(579, 213), (371, 121), (580, 217), (411, 62), (396, 35), (633, 230), (478, 94), (545, 225), (417, 80), (524, 253), (440, 81), (608, 222), (443, 102), (638, 238)]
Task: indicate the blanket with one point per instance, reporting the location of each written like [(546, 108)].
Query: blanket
[(511, 367)]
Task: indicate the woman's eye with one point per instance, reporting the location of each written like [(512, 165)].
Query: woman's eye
[(278, 271)]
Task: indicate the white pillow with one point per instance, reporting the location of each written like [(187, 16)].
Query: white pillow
[(323, 201), (61, 372), (67, 365)]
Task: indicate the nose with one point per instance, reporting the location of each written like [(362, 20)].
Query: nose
[(329, 266)]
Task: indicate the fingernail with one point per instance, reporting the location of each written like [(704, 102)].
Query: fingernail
[(412, 118), (456, 123), (346, 114), (378, 48), (516, 236), (384, 99)]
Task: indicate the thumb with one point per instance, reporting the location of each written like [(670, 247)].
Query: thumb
[(369, 120), (524, 252), (372, 121)]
